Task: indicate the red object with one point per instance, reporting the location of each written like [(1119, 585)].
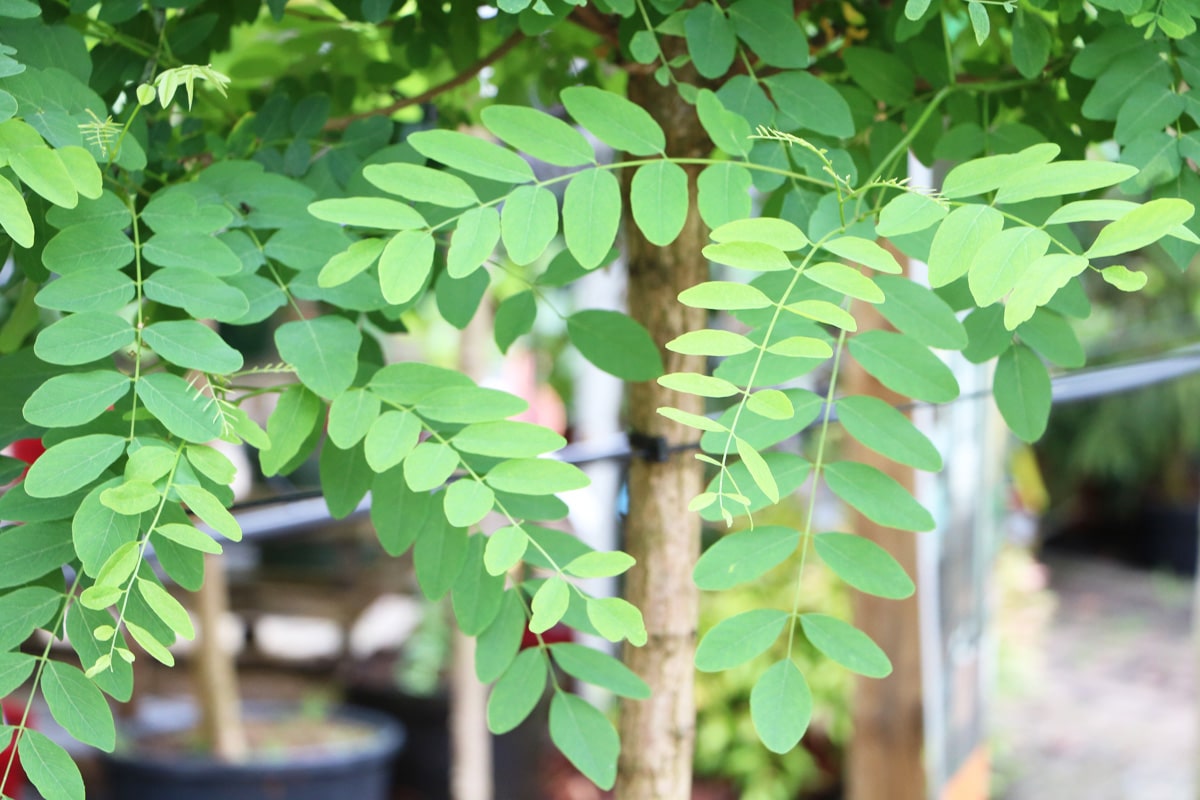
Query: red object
[(16, 776), (559, 633), (28, 450)]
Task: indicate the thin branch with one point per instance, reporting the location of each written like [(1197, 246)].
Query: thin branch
[(592, 20), (341, 123)]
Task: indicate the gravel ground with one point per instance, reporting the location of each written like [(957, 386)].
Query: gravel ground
[(1098, 702)]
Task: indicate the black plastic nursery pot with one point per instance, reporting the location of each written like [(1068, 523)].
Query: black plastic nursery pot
[(358, 767)]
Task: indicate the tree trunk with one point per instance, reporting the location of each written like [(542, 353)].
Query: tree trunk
[(657, 734), (885, 757)]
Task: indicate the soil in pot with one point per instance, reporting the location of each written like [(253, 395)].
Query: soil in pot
[(294, 757)]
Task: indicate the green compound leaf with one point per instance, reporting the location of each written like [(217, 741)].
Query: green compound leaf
[(806, 101), (421, 184), (1140, 227), (193, 251), (1123, 278), (202, 295), (1062, 178), (74, 398), (72, 464), (910, 212), (189, 537), (538, 134), (599, 669), (724, 296), (711, 40), (738, 639), (781, 706), (1038, 284), (865, 252), (729, 131), (499, 643), (323, 351), (864, 565), (846, 645), (771, 33), (33, 550), (351, 415), (615, 619), (467, 501), (958, 239), (98, 531), (405, 265), (472, 155), (130, 498), (599, 564), (904, 365), (845, 279), (468, 404), (658, 197), (504, 549), (476, 594), (617, 122), (882, 75), (770, 403), (1053, 337), (887, 431), (585, 737), (753, 256), (998, 267), (88, 290), (473, 241), (1022, 390), (289, 428), (211, 511), (877, 496), (515, 317), (24, 610), (702, 385), (777, 233), (549, 604), (993, 172), (711, 342), (615, 343), (528, 223), (168, 609), (536, 476), (77, 704), (368, 212), (14, 215), (825, 312), (211, 462), (187, 343), (518, 691), (180, 407), (439, 556), (723, 193), (355, 259), (391, 437), (507, 439), (50, 769), (15, 669), (591, 216), (87, 246), (81, 338), (41, 169), (920, 313), (429, 465), (744, 556)]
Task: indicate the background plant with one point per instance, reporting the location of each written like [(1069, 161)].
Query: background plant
[(149, 195)]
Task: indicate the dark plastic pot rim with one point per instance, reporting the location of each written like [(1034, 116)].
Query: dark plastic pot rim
[(382, 743)]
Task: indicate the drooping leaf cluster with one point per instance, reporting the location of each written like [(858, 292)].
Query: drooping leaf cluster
[(172, 175)]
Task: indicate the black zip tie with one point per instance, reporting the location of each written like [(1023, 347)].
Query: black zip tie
[(649, 448)]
